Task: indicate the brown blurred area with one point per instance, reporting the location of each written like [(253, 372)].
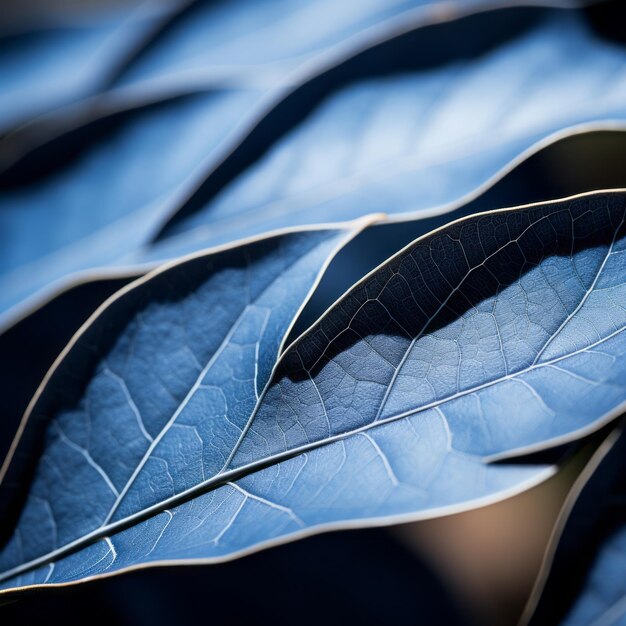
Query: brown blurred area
[(491, 556)]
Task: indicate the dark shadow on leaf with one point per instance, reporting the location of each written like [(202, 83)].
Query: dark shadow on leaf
[(437, 281), (570, 166)]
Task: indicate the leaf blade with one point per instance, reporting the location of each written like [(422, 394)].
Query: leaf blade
[(284, 268), (139, 221), (405, 466), (419, 135)]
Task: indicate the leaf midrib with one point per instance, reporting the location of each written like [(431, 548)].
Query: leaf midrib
[(224, 475), (237, 473)]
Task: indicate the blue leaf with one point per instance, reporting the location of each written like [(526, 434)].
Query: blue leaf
[(230, 311), (102, 189), (48, 64), (107, 201), (28, 348), (430, 131), (604, 597), (245, 40), (395, 89), (582, 580), (478, 342), (204, 45)]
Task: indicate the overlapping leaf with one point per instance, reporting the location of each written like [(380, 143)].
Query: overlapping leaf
[(426, 131), (102, 188), (216, 296), (55, 60), (107, 199), (587, 557), (29, 347), (132, 177), (603, 600), (389, 408), (243, 40), (202, 45)]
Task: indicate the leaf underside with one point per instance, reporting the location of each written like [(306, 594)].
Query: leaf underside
[(389, 408), (177, 426)]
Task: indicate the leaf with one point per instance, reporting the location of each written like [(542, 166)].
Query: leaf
[(125, 179), (206, 123), (604, 597), (418, 134), (29, 347), (111, 158), (582, 578), (388, 409), (250, 295), (244, 40), (50, 63), (208, 46)]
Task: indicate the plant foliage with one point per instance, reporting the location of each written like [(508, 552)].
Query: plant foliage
[(199, 176)]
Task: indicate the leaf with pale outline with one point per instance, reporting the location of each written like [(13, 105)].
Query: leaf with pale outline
[(421, 134), (387, 409), (399, 88), (582, 578)]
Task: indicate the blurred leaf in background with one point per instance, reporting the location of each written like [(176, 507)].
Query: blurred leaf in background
[(137, 134)]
